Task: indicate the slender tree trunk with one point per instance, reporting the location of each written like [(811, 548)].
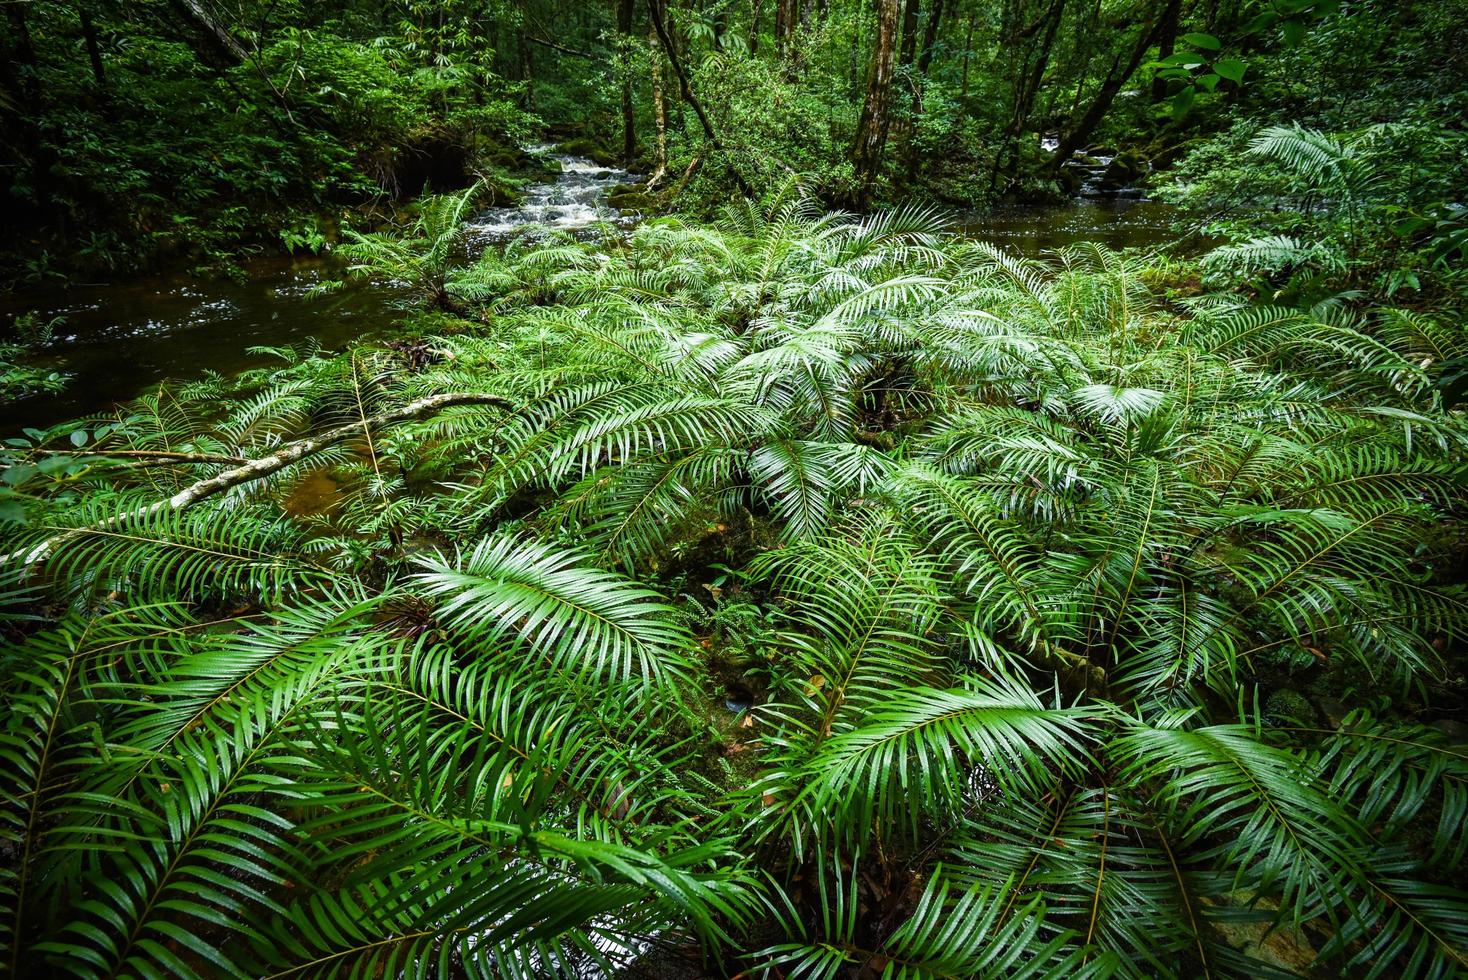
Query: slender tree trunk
[(968, 47), (21, 78), (1166, 45), (686, 90), (755, 10), (21, 57), (930, 37), (1117, 77), (909, 32), (1029, 83), (224, 45), (527, 72), (876, 109), (659, 112), (925, 59), (629, 117), (94, 50)]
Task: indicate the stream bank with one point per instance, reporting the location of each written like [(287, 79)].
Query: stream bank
[(116, 340)]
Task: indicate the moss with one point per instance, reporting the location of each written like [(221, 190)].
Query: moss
[(632, 197), (1287, 706), (585, 146)]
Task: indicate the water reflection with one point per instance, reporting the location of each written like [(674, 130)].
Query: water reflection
[(1114, 222), (118, 339)]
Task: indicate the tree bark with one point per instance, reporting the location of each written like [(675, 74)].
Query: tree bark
[(629, 117), (659, 112), (94, 50), (930, 37), (968, 47), (257, 469), (1166, 45), (1115, 79), (876, 109), (686, 90), (1028, 85), (220, 41), (925, 59), (909, 32)]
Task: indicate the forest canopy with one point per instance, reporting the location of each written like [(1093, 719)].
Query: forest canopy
[(727, 555)]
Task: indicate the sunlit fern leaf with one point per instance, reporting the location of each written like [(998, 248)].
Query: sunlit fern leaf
[(556, 607), (450, 812), (118, 544), (631, 512), (1253, 809), (49, 678), (1399, 778), (952, 932), (802, 479), (260, 665), (916, 757)]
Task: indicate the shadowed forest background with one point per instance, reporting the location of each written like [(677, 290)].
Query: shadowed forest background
[(790, 489)]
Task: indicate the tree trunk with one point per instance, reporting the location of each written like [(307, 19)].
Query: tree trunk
[(686, 90), (20, 61), (1166, 45), (930, 37), (968, 47), (925, 59), (225, 47), (1115, 79), (94, 50), (629, 117), (909, 32), (876, 109), (527, 72), (756, 8), (1028, 87), (659, 112)]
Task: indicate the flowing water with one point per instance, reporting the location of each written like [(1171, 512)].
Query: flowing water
[(116, 340), (574, 200)]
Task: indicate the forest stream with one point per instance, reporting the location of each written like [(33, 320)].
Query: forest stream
[(117, 339), (696, 514)]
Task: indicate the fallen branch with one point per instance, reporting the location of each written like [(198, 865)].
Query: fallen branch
[(150, 455), (257, 469), (547, 43)]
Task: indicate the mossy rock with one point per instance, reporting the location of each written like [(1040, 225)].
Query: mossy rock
[(1287, 706), (507, 159), (593, 150), (1126, 169), (501, 193), (632, 197), (1070, 180)]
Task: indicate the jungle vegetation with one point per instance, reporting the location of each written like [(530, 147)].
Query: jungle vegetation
[(784, 587)]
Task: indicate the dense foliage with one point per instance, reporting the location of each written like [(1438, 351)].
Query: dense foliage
[(151, 130), (797, 596), (141, 132), (768, 589)]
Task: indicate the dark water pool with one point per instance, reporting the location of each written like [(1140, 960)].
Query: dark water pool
[(118, 339), (1114, 222)]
